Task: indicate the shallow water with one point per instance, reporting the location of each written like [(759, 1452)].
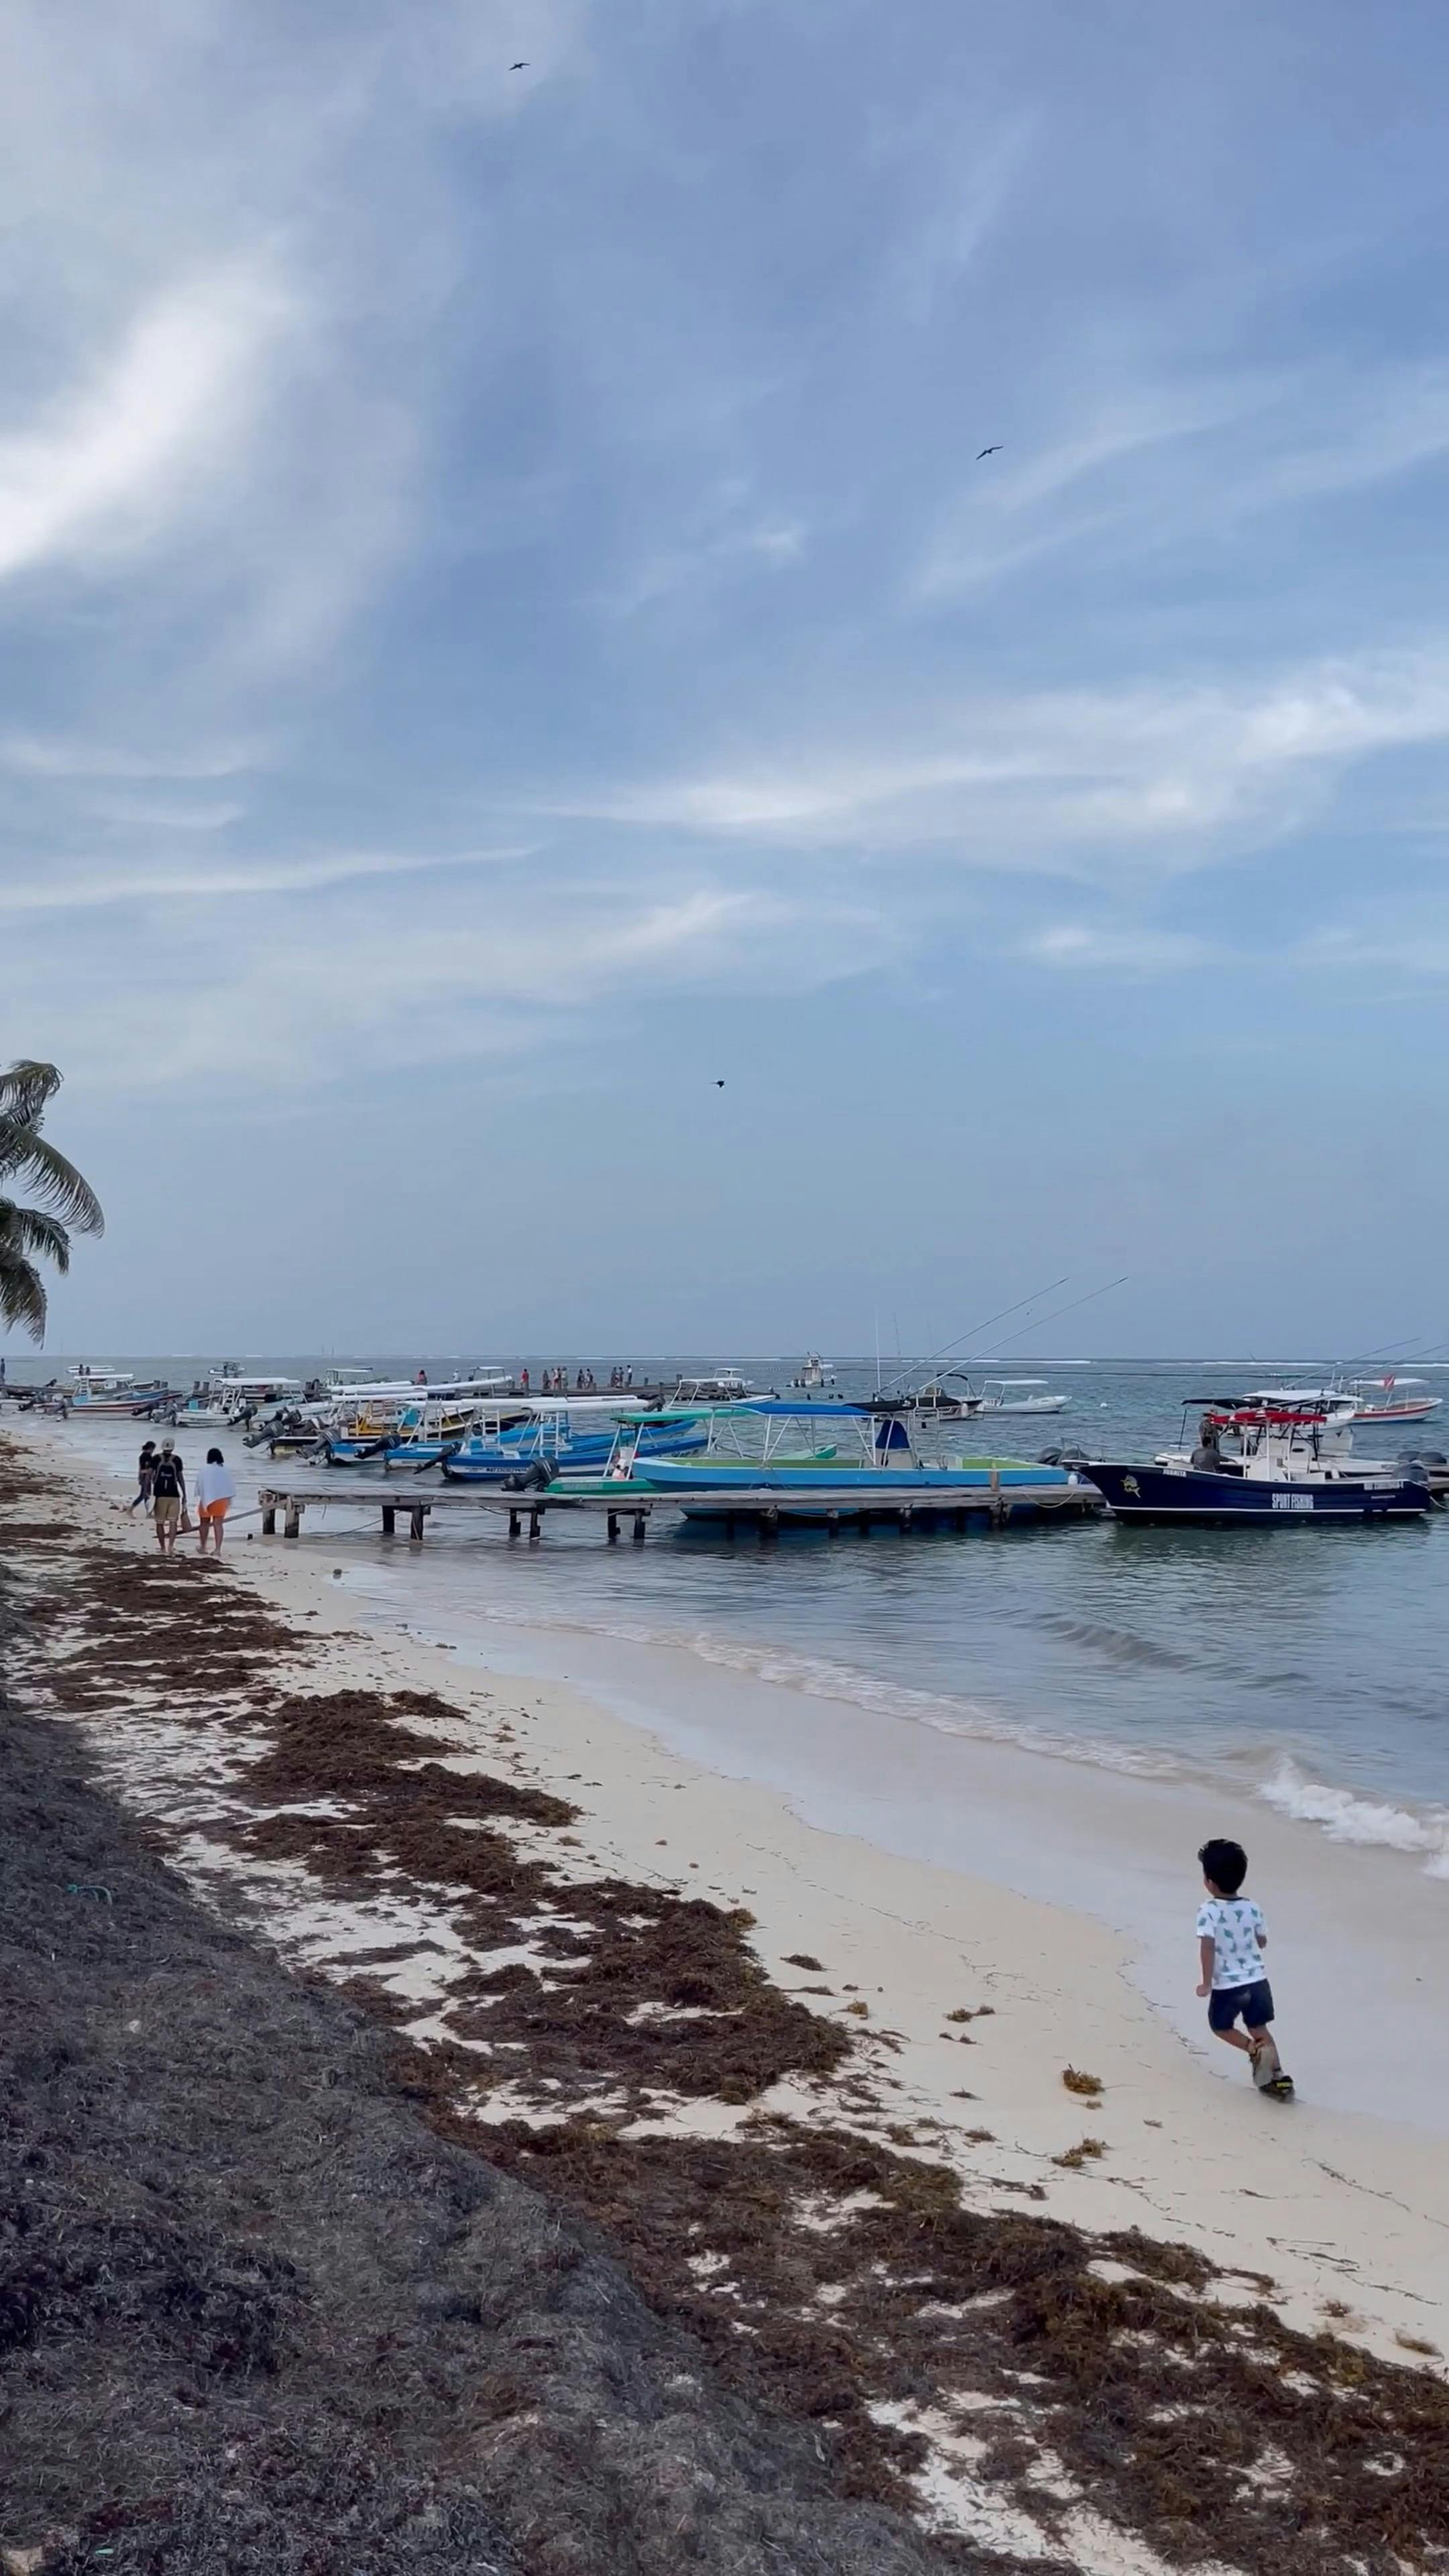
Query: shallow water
[(1304, 1665)]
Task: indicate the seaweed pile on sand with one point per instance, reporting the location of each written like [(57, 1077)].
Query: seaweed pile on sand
[(1008, 2382)]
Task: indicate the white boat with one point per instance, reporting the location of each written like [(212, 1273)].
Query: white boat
[(1364, 1399), (721, 1386), (814, 1377), (1016, 1395), (109, 1391), (1386, 1399)]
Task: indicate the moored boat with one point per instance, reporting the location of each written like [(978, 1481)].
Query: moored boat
[(774, 1446), (1263, 1463)]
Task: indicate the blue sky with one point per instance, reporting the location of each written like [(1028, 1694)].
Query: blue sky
[(501, 625)]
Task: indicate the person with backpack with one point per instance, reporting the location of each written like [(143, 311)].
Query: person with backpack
[(168, 1496)]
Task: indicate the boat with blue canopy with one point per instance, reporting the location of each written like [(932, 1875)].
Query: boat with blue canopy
[(777, 1445), (581, 1438)]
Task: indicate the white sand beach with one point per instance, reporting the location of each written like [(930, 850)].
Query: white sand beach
[(1055, 1902)]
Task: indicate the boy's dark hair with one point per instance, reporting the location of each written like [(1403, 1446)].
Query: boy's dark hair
[(214, 1458), (1226, 1864)]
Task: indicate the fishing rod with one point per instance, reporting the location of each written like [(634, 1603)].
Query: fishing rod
[(1057, 1313), (973, 1329)]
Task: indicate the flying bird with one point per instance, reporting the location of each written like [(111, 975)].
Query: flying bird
[(520, 67), (990, 451), (719, 1086)]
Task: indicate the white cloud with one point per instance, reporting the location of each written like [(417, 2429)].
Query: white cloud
[(371, 984), (105, 467), (1167, 467), (1140, 779), (215, 880)]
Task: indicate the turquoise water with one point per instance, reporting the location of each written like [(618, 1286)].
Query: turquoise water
[(1305, 1665)]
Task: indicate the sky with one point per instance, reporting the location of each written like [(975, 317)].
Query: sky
[(548, 796)]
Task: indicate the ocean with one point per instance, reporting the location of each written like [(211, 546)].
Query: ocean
[(1300, 1667)]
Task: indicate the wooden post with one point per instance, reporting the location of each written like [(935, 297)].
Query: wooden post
[(416, 1519), (832, 1523), (641, 1524), (613, 1529), (292, 1525), (269, 1515), (960, 1517), (514, 1524), (389, 1520), (908, 1516), (535, 1525), (865, 1524)]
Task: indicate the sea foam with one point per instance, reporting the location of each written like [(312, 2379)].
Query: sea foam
[(1348, 1818)]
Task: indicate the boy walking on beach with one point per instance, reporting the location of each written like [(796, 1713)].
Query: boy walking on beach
[(1232, 1938)]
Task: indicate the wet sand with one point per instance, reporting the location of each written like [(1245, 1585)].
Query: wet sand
[(931, 1876)]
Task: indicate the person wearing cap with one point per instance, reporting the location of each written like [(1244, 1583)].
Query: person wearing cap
[(168, 1496)]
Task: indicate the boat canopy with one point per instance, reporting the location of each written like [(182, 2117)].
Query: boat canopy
[(806, 1409)]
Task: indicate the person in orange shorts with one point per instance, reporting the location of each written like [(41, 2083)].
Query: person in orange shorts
[(215, 1490)]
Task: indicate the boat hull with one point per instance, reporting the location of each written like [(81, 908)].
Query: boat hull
[(588, 1451), (744, 1475), (1161, 1494)]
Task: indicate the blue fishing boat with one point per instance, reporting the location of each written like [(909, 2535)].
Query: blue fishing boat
[(555, 1441), (1266, 1464)]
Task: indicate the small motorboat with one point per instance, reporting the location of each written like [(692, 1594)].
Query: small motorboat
[(1265, 1464), (1018, 1395), (1387, 1399), (815, 1376)]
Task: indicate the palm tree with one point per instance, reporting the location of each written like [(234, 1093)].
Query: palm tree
[(65, 1203)]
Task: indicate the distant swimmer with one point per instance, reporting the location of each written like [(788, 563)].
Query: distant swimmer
[(990, 451)]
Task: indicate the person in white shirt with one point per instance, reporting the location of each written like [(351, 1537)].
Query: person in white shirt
[(1232, 1937), (215, 1489)]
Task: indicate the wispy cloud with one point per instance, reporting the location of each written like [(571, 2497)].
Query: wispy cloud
[(221, 880), (1148, 777), (106, 466)]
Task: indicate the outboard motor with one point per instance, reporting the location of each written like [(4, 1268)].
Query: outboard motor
[(533, 1480)]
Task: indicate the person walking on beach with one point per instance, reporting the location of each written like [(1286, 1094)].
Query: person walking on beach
[(1232, 1938), (215, 1490), (168, 1496), (145, 1471)]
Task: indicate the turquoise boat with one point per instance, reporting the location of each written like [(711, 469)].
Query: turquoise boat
[(873, 1448)]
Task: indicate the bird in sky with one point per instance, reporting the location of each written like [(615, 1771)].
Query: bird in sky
[(719, 1086), (520, 67), (990, 451)]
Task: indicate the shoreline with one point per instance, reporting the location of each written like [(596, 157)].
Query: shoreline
[(1353, 2205), (812, 2093)]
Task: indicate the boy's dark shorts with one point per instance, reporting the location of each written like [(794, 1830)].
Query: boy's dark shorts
[(1254, 2002)]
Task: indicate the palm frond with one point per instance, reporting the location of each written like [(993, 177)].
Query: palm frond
[(22, 1296), (26, 1155), (27, 1230), (25, 1090)]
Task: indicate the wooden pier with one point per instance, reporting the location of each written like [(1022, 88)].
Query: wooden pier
[(764, 1509)]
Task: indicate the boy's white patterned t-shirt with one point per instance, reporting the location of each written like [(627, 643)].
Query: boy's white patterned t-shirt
[(1232, 1924)]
